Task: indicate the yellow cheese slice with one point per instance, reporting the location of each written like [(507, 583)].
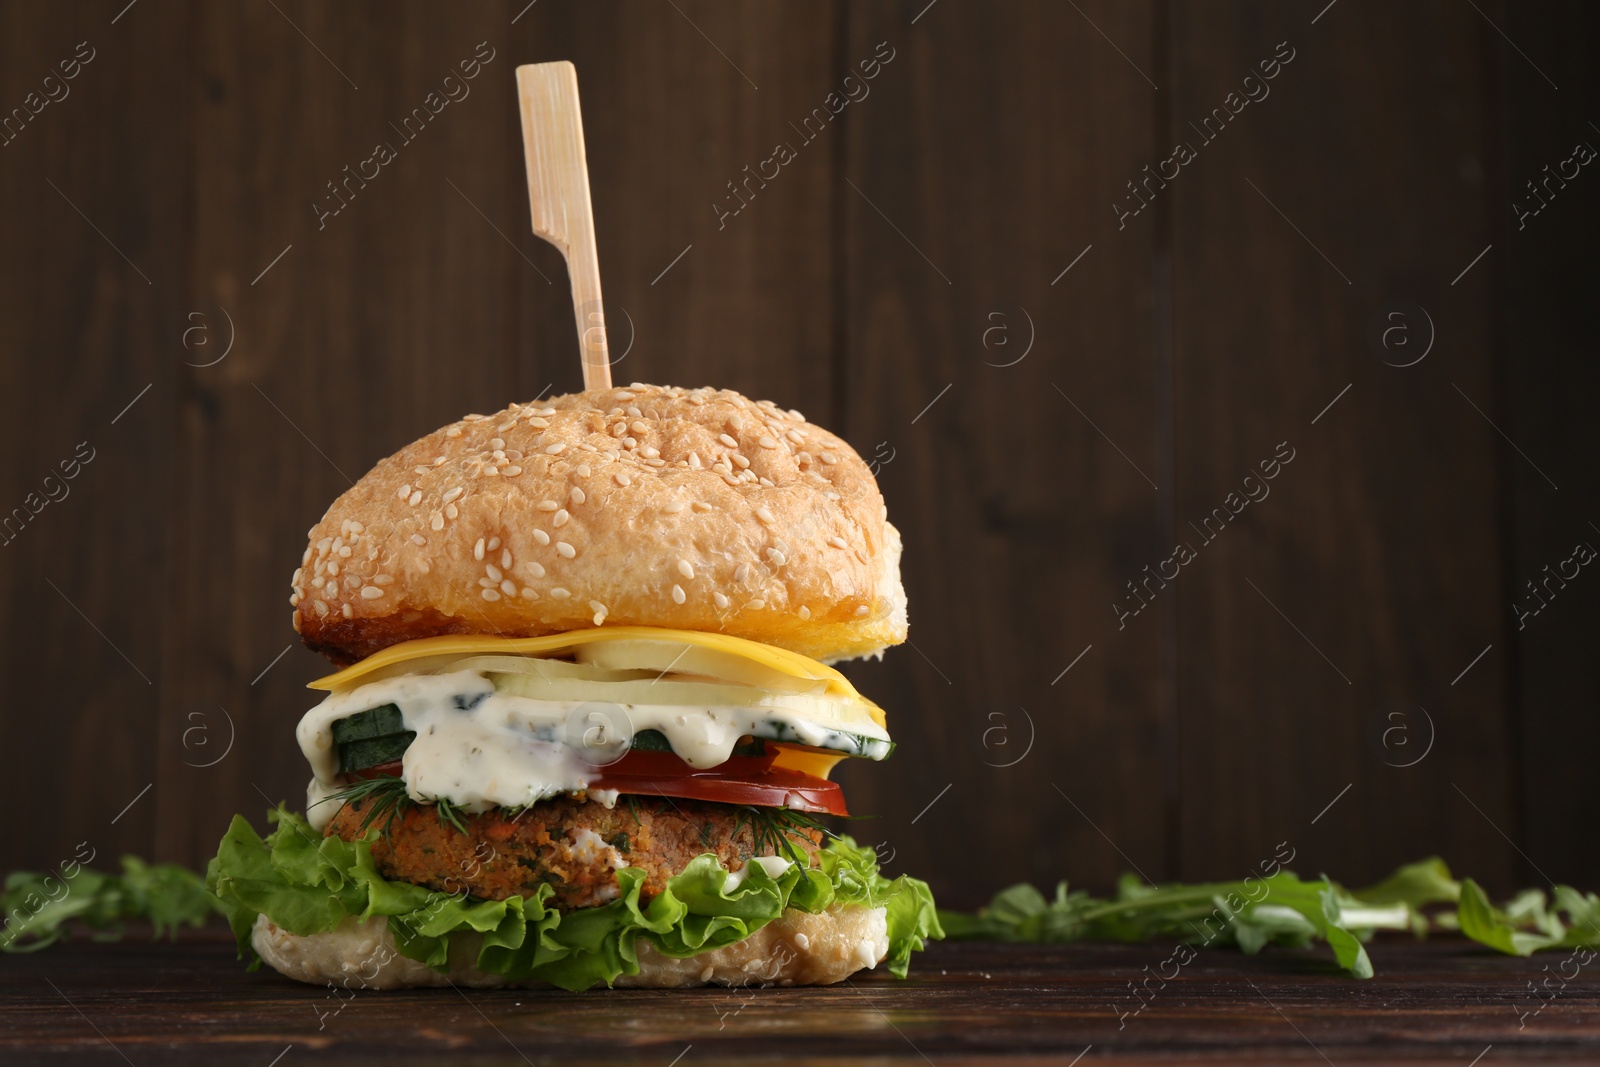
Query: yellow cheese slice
[(778, 659), (806, 760)]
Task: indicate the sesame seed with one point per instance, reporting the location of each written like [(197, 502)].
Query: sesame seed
[(451, 511), (529, 594), (535, 569), (831, 495), (451, 494), (768, 482), (454, 431), (508, 587), (383, 579), (764, 513), (555, 449), (757, 604), (837, 542), (415, 498), (494, 572), (743, 573), (559, 593), (344, 552), (541, 537), (576, 496), (701, 505), (829, 457), (318, 582), (566, 550), (494, 543), (805, 612), (739, 461), (405, 491), (862, 610), (725, 439), (511, 471), (438, 461), (490, 594), (537, 423), (547, 505), (345, 611), (505, 558), (560, 518), (487, 583), (694, 461), (673, 507), (796, 416), (766, 442), (686, 568), (629, 443), (477, 550), (489, 472), (418, 540), (778, 558), (678, 595), (796, 436), (720, 600), (545, 411), (321, 606), (736, 421), (422, 470), (638, 426), (622, 478), (333, 567), (496, 443), (583, 472)]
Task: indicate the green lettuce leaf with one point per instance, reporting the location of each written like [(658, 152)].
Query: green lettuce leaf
[(307, 884)]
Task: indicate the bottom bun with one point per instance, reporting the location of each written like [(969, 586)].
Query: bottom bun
[(797, 948)]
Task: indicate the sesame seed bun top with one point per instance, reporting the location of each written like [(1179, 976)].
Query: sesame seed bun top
[(646, 505)]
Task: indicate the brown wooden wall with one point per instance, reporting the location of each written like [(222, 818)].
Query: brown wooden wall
[(1045, 433)]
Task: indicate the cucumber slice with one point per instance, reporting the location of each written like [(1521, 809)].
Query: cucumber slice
[(373, 751), (375, 722)]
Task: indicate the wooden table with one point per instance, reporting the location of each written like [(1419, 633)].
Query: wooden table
[(1444, 1002)]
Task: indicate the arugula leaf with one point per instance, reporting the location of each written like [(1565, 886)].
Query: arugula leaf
[(1280, 910), (39, 909), (306, 883)]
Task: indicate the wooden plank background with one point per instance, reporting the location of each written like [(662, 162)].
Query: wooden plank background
[(1057, 396)]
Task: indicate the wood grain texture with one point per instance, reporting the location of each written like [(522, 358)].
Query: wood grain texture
[(946, 281), (94, 255), (1545, 402), (884, 280), (1345, 594), (1441, 1002)]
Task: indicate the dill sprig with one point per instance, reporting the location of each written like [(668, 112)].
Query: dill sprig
[(772, 829), (386, 797)]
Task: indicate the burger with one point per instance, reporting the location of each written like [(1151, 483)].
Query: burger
[(586, 716)]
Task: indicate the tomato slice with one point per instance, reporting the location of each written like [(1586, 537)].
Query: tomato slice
[(740, 780)]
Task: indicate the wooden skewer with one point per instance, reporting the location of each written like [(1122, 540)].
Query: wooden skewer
[(558, 194)]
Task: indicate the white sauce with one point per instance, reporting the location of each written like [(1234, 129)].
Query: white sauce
[(480, 748), (773, 865)]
